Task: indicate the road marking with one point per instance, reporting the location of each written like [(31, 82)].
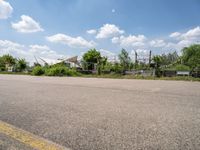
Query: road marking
[(27, 138)]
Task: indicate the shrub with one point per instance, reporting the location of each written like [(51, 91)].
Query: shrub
[(72, 72), (38, 71), (179, 67), (60, 71), (56, 71), (182, 68)]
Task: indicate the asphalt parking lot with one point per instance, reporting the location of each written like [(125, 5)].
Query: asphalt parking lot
[(93, 114)]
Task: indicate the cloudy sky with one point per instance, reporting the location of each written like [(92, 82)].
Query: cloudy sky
[(53, 29)]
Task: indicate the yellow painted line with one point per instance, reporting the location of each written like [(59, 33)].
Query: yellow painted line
[(27, 138)]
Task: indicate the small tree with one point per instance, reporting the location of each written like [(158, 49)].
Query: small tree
[(9, 60), (91, 58), (125, 60), (38, 71), (191, 56), (21, 64), (169, 58), (158, 61), (102, 61), (117, 68), (2, 64)]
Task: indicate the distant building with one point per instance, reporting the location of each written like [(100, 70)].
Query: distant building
[(10, 68)]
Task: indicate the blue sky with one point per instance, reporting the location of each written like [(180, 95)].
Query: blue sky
[(51, 29)]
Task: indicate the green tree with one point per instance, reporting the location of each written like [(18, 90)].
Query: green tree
[(158, 62), (2, 64), (21, 64), (102, 61), (180, 67), (117, 68), (91, 58), (9, 60), (191, 56), (38, 71), (169, 58), (125, 60)]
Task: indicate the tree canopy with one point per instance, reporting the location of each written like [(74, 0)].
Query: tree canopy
[(124, 59), (8, 59), (191, 56), (21, 64), (91, 57)]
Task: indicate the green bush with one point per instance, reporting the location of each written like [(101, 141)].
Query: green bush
[(38, 71), (72, 72), (60, 71), (182, 68), (179, 67)]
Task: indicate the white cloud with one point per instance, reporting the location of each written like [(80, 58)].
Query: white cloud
[(157, 43), (184, 43), (192, 34), (175, 41), (175, 34), (185, 39), (92, 31), (115, 40), (108, 31), (74, 42), (110, 55), (6, 43), (181, 44), (5, 9), (28, 52), (130, 41), (141, 54), (7, 47), (27, 25), (45, 53)]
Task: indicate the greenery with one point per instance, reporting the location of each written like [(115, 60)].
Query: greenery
[(60, 71), (21, 65), (92, 61), (15, 73), (191, 56), (158, 61), (179, 67), (54, 70), (8, 59), (91, 58), (120, 76), (170, 58), (18, 65), (2, 64), (38, 71), (124, 59)]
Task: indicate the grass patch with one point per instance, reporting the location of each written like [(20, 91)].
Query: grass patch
[(119, 76), (57, 71), (15, 73)]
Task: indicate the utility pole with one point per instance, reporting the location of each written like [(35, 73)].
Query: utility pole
[(136, 55), (150, 57)]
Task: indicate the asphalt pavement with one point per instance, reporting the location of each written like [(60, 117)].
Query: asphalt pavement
[(99, 114)]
